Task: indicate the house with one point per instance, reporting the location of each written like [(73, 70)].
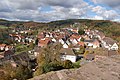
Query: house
[(100, 35), (54, 40), (16, 37), (2, 47), (109, 43), (75, 30), (47, 35), (89, 33), (88, 43), (73, 40), (81, 44), (92, 43), (41, 35), (76, 47), (8, 47), (114, 46), (51, 35), (68, 42), (75, 36), (44, 42), (61, 41), (96, 43), (65, 45), (68, 54)]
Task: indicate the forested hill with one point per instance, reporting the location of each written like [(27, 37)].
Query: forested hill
[(87, 22), (110, 28)]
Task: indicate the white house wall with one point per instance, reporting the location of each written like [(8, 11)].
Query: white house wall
[(69, 57)]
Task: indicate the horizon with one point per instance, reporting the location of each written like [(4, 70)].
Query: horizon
[(53, 10), (55, 20)]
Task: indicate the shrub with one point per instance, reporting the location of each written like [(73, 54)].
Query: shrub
[(67, 64)]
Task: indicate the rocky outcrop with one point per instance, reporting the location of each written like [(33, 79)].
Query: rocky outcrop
[(107, 68)]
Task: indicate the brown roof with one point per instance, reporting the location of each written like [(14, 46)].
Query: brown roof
[(81, 43), (67, 51), (101, 34), (8, 46), (44, 41), (109, 40), (75, 36), (2, 45)]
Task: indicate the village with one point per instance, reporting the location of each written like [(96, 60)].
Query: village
[(76, 44)]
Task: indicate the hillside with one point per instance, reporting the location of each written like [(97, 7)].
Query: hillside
[(109, 28), (104, 69)]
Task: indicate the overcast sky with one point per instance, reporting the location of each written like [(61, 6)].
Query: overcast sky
[(50, 10)]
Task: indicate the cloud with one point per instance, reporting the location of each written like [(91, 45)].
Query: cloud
[(49, 10), (31, 9), (111, 3), (4, 6), (98, 17), (106, 14)]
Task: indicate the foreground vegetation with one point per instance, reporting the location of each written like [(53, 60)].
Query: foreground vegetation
[(49, 60)]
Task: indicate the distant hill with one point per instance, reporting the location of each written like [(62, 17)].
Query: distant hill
[(17, 23), (95, 23)]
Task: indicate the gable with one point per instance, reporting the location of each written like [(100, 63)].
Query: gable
[(114, 45)]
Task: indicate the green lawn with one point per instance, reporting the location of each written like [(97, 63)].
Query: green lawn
[(3, 27)]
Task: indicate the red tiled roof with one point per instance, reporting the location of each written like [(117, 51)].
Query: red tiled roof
[(75, 30), (8, 46), (2, 45), (81, 43), (44, 42), (75, 36), (16, 35)]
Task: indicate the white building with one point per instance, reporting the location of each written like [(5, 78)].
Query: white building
[(68, 54), (65, 45), (109, 43)]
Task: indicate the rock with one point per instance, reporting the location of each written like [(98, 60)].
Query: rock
[(104, 69)]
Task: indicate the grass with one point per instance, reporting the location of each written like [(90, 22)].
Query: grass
[(76, 64), (3, 27)]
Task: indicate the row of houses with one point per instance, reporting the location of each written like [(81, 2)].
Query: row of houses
[(22, 39), (105, 42), (5, 47), (71, 40)]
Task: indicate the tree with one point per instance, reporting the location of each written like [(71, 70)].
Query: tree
[(82, 50), (20, 48), (67, 64), (85, 54), (53, 66), (81, 31), (36, 41), (39, 71), (21, 72), (82, 39)]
